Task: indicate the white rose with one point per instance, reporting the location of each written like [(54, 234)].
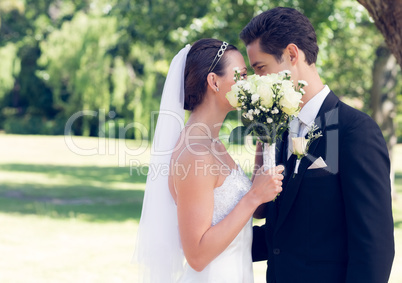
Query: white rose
[(287, 86), (299, 146), (232, 96), (271, 78), (290, 101), (264, 90), (266, 95), (269, 120), (253, 82), (252, 79)]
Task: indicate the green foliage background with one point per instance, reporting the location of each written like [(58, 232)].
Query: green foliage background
[(112, 56)]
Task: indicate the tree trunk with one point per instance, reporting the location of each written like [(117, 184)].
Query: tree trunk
[(387, 15), (383, 99)]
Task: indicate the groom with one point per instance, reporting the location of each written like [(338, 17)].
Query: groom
[(333, 221)]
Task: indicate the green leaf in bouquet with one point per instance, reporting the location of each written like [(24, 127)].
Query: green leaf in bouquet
[(238, 134), (263, 131), (246, 122), (281, 129)]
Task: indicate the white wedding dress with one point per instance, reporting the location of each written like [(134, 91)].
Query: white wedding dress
[(234, 264), (158, 253)]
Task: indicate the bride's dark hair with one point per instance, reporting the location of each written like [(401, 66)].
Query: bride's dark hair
[(199, 60)]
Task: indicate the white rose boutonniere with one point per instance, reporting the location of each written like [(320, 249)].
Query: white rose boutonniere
[(301, 145)]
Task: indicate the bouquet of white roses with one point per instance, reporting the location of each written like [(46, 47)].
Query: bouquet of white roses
[(268, 104)]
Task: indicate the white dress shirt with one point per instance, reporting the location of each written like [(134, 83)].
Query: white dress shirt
[(310, 110)]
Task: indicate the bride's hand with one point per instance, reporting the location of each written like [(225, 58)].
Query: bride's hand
[(267, 184)]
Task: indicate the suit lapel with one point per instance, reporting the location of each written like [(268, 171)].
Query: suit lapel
[(292, 186)]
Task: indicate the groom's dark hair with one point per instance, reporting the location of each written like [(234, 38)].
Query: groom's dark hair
[(279, 27)]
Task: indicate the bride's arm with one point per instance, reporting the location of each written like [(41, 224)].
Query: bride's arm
[(195, 205)]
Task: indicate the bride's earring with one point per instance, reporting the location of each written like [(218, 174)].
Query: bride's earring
[(217, 89)]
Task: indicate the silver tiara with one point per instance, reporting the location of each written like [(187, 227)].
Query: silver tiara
[(218, 56)]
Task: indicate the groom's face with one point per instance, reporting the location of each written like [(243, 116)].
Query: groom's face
[(264, 63)]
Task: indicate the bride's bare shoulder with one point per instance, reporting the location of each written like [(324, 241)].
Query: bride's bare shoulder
[(196, 154), (190, 166)]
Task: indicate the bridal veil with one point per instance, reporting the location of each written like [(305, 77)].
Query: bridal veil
[(158, 251)]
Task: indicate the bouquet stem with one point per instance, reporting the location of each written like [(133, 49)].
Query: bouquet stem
[(268, 155)]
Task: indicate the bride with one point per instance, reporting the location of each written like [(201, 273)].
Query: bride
[(196, 222)]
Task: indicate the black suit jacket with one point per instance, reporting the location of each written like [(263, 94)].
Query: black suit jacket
[(332, 224)]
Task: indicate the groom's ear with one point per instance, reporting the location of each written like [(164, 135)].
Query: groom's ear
[(212, 80), (292, 53)]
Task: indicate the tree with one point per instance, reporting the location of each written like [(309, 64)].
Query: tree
[(78, 66), (29, 102), (387, 15), (384, 99), (147, 46), (128, 61), (9, 68)]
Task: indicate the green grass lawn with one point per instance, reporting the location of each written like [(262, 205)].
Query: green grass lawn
[(68, 214)]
